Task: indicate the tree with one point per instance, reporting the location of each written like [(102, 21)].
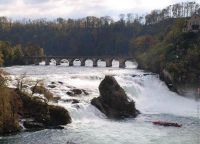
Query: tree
[(33, 50), (141, 43), (1, 59), (122, 18)]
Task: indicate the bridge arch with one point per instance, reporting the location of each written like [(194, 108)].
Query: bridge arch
[(89, 62), (115, 63), (131, 64), (77, 62), (101, 62), (36, 61), (52, 61), (64, 62)]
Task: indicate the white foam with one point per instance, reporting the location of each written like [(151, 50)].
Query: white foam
[(151, 95)]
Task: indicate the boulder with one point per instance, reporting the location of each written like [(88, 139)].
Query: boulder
[(56, 99), (85, 92), (56, 127), (113, 101), (41, 112), (47, 94), (73, 101), (58, 116), (70, 93), (51, 86), (169, 80), (76, 92), (33, 125), (60, 82), (147, 74), (53, 83), (166, 124)]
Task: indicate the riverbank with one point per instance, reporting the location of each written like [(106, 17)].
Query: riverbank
[(19, 110), (175, 56), (185, 88)]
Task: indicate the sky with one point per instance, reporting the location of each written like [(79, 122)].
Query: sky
[(79, 8)]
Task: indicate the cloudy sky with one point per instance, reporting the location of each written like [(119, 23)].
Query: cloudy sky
[(78, 8)]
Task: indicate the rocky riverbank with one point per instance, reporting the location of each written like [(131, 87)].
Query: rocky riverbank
[(184, 88), (34, 113), (17, 106), (174, 55)]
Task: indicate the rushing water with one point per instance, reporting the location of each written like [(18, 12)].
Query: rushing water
[(90, 126)]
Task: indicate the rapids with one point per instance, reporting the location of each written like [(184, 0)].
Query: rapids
[(90, 126)]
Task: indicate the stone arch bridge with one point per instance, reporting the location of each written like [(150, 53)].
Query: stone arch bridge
[(58, 59)]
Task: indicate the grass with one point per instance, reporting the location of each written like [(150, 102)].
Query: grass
[(8, 112)]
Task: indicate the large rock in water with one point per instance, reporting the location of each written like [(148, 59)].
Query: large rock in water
[(41, 112), (113, 101)]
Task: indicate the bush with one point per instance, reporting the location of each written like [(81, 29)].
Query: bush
[(8, 112), (42, 90)]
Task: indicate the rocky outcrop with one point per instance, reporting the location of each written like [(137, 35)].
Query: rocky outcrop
[(76, 92), (20, 105), (47, 94), (168, 79), (51, 86), (60, 82), (41, 112), (33, 125), (113, 101), (166, 124), (73, 101)]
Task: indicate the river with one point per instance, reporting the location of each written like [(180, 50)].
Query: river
[(90, 126)]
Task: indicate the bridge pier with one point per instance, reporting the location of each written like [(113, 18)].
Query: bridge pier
[(36, 62), (82, 62), (109, 63), (122, 64), (71, 62), (57, 62), (95, 62), (47, 61)]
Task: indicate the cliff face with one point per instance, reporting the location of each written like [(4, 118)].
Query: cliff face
[(174, 54), (176, 58)]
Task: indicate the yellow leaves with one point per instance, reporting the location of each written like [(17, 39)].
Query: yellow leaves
[(1, 59), (176, 29), (3, 78), (142, 42), (8, 115), (172, 67)]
